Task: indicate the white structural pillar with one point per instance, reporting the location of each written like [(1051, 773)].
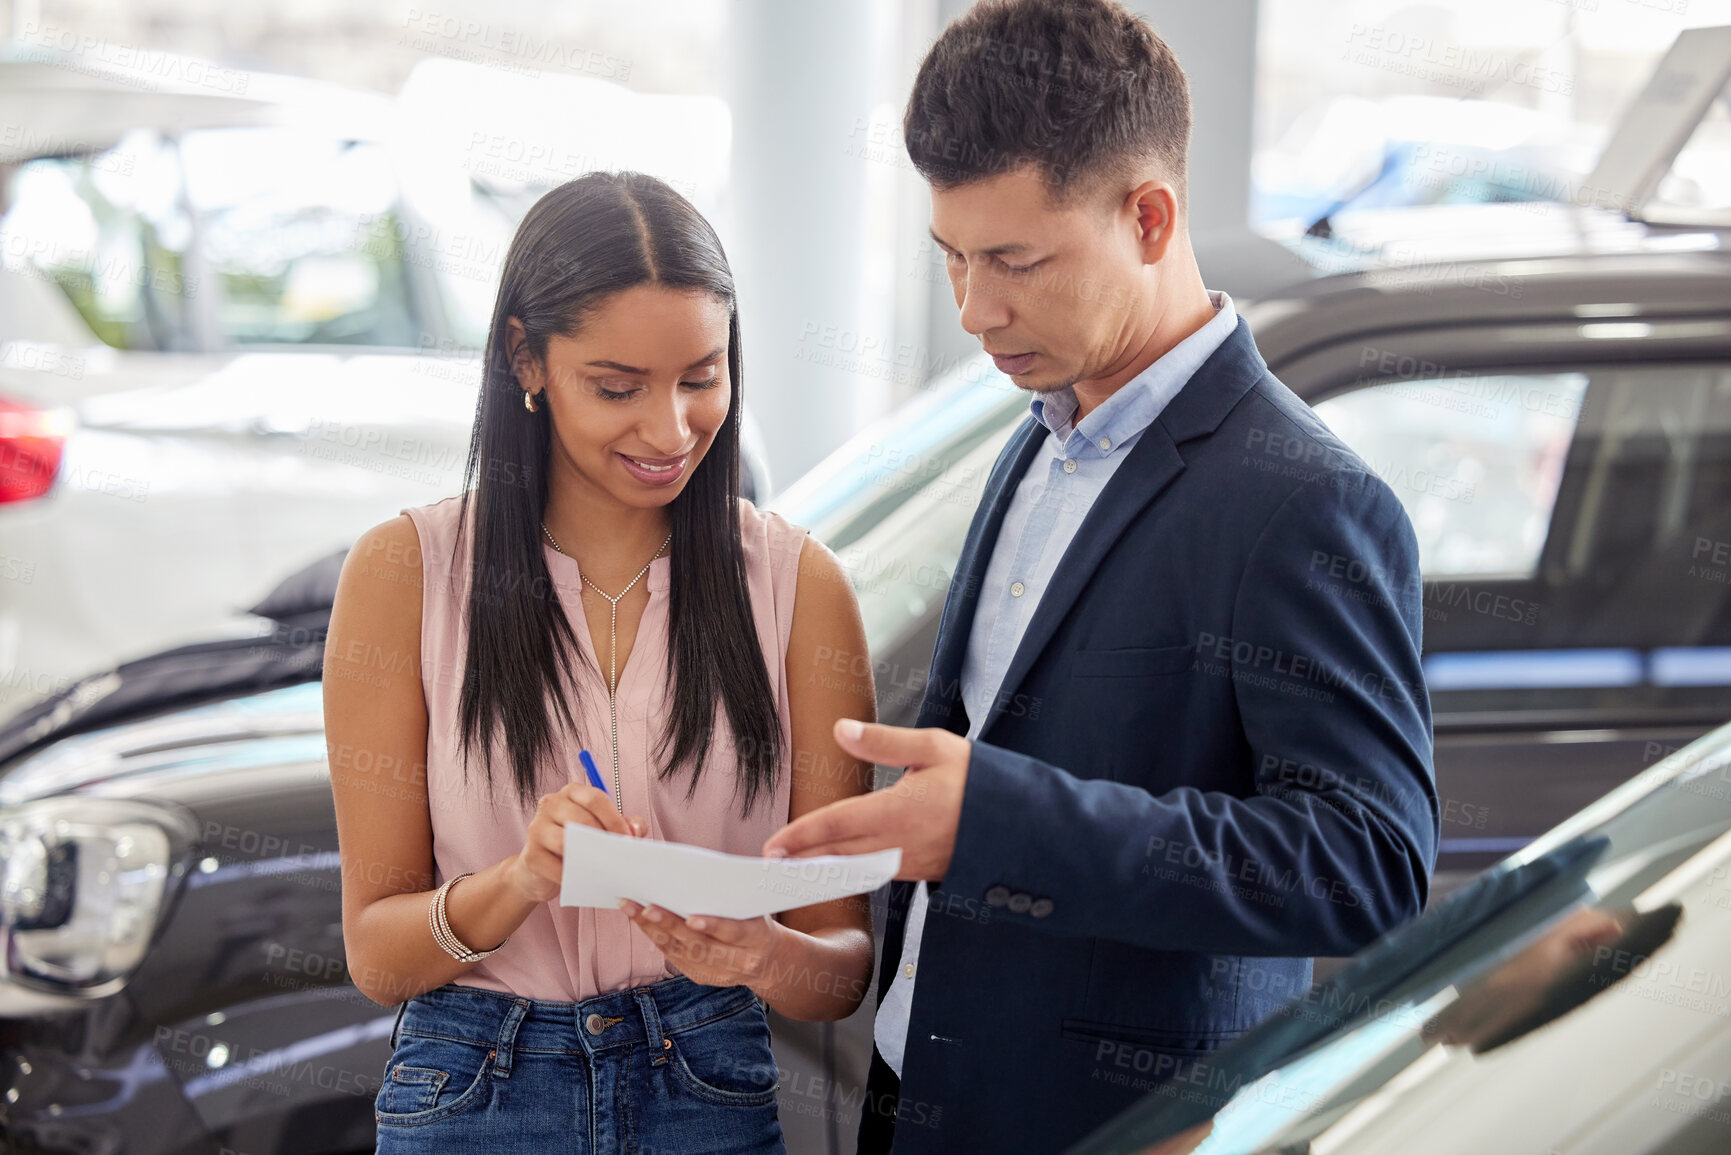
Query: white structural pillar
[(804, 76), (800, 77), (1216, 45)]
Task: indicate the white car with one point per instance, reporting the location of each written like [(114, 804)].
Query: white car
[(240, 322)]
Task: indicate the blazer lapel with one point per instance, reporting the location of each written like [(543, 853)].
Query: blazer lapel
[(943, 687), (1198, 409), (1153, 462)]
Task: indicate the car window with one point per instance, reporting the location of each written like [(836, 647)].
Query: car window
[(467, 255), (895, 503), (111, 231), (902, 562), (888, 463), (301, 237), (1581, 517), (1698, 183), (1476, 462)]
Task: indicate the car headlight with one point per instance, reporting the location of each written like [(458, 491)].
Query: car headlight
[(83, 887)]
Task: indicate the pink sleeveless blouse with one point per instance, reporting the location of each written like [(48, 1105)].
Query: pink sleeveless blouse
[(573, 953)]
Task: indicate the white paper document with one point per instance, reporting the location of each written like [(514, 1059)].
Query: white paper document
[(602, 868)]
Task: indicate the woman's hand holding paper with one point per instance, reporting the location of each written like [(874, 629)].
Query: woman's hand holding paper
[(717, 952)]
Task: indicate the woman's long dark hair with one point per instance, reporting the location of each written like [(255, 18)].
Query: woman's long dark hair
[(578, 245)]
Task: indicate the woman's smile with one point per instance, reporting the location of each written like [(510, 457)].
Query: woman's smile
[(655, 470)]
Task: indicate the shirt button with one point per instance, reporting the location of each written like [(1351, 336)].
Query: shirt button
[(1017, 589), (1105, 443), (908, 970), (1069, 465)]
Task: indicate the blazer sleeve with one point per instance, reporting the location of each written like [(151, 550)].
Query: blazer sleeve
[(1335, 843)]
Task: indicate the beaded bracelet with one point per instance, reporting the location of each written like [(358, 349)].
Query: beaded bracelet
[(442, 933)]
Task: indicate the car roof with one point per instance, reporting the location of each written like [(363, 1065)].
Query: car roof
[(60, 104), (1653, 274), (1420, 243), (1428, 234), (1670, 294)]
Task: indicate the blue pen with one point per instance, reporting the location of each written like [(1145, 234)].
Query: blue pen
[(589, 766)]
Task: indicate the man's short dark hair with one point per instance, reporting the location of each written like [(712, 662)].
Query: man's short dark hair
[(1082, 88)]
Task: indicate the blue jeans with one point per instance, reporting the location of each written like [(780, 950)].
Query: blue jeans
[(670, 1067)]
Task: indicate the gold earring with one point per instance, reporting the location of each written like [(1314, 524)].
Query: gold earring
[(529, 402)]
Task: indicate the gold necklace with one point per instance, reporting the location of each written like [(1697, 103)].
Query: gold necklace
[(612, 646)]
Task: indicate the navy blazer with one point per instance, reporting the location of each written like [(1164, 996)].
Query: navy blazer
[(1209, 761)]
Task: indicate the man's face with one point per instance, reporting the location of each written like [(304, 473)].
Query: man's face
[(1050, 291)]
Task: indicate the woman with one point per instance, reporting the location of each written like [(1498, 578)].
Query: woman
[(619, 598)]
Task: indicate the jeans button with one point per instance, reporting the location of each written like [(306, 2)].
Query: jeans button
[(594, 1023)]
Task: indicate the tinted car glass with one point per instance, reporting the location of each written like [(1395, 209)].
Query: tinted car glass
[(894, 504), (1476, 462), (1574, 528), (902, 562)]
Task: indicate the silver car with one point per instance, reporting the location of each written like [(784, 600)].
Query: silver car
[(239, 323)]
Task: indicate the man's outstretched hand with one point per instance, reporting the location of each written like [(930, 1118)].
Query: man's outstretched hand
[(919, 813)]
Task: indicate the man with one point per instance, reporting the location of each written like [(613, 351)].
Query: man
[(1182, 641)]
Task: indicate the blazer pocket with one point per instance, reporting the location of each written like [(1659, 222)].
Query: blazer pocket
[(1194, 1044), (1136, 661)]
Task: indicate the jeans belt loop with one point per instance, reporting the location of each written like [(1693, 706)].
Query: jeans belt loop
[(658, 1046), (508, 1037)]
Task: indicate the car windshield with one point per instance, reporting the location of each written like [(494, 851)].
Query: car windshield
[(851, 492), (1577, 995), (895, 503), (300, 237), (110, 231)]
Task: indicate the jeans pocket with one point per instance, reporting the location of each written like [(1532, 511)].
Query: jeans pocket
[(727, 1061), (431, 1078)]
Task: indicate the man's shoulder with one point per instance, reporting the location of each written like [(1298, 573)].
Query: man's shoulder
[(1273, 444)]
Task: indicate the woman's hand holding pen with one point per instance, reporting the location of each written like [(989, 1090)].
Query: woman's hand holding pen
[(706, 949), (538, 868)]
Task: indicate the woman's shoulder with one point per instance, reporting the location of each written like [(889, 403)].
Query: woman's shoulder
[(442, 514), (382, 576), (436, 523), (778, 557), (768, 536), (794, 556), (413, 550)]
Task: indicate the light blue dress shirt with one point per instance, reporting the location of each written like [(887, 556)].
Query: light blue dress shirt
[(1048, 506)]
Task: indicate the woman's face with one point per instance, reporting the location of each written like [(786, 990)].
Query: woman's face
[(638, 394)]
